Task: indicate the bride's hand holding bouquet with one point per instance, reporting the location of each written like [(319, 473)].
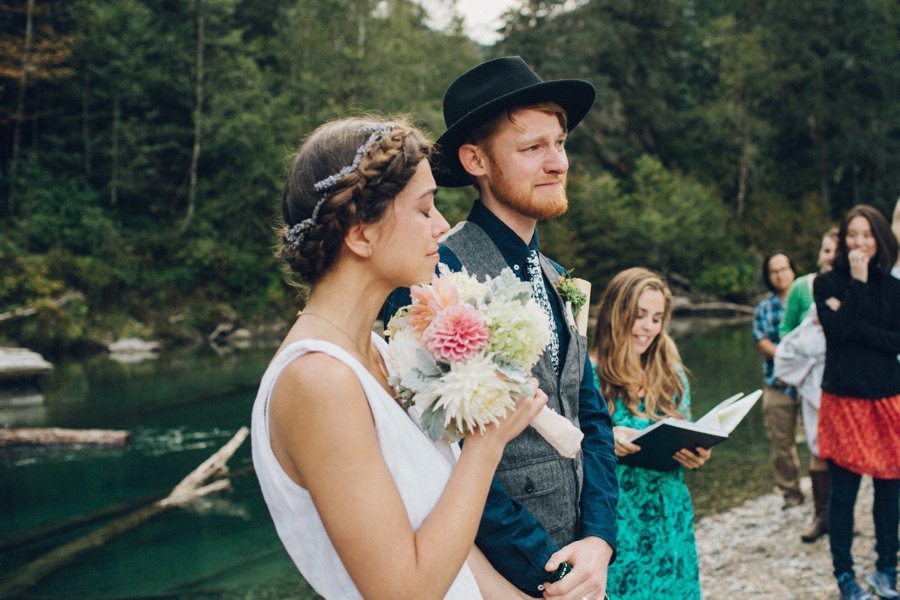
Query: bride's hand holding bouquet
[(519, 416), (462, 353)]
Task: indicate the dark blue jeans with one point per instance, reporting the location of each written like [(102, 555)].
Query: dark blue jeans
[(885, 509)]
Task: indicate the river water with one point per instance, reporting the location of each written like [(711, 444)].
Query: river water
[(183, 406)]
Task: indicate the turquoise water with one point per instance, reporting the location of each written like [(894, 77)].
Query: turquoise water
[(180, 409)]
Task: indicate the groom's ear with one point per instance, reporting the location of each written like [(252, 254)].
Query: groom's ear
[(473, 159)]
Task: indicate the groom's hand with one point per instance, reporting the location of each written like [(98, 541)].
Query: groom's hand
[(589, 558)]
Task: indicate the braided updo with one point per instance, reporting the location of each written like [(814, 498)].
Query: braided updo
[(360, 196)]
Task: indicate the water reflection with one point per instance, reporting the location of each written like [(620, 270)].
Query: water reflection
[(22, 406), (183, 406)]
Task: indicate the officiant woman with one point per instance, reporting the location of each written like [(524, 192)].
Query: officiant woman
[(641, 375), (365, 504)]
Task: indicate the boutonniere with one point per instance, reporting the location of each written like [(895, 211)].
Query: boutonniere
[(574, 293)]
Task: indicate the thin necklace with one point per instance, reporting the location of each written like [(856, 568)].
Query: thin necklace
[(362, 354)]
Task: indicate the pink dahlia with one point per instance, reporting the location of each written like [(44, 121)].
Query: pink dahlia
[(428, 301), (456, 333)]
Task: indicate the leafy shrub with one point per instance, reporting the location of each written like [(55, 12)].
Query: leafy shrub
[(657, 219)]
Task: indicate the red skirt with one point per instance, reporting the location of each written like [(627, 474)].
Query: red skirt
[(861, 434)]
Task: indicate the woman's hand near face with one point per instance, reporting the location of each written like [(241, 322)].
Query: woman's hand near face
[(859, 265), (692, 460), (622, 437)]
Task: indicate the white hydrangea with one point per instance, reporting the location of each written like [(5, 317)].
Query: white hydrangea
[(517, 333)]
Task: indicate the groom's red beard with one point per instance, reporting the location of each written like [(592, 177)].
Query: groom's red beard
[(522, 198)]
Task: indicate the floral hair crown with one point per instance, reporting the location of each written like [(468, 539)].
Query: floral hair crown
[(297, 232)]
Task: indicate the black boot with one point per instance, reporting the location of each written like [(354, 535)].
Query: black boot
[(819, 524)]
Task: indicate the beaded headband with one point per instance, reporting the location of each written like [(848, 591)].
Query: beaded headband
[(294, 236)]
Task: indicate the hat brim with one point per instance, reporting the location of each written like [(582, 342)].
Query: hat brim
[(574, 95)]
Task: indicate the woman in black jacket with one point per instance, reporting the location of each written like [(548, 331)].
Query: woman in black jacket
[(858, 303)]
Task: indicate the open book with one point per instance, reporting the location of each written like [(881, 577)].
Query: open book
[(667, 436)]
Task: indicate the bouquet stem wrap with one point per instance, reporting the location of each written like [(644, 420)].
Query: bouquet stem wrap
[(559, 432)]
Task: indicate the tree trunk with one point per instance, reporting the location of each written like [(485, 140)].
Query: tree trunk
[(19, 115), (198, 117), (114, 153), (85, 121), (744, 170), (822, 157), (361, 18), (824, 184)]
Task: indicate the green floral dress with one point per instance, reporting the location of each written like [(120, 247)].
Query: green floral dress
[(656, 555)]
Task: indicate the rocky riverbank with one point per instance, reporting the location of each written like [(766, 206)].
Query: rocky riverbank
[(754, 550)]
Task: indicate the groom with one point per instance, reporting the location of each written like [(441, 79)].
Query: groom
[(506, 133)]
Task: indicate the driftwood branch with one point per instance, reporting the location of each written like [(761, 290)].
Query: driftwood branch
[(53, 436), (712, 308), (212, 466), (27, 311), (190, 487), (48, 530)]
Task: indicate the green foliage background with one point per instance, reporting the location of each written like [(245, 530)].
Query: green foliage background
[(721, 130)]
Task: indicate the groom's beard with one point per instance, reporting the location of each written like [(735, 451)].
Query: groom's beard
[(522, 198)]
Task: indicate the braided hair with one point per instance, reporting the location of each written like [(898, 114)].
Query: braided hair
[(360, 194)]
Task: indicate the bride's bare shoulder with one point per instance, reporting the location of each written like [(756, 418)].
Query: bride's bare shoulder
[(313, 373)]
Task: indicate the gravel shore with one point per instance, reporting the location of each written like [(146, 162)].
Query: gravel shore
[(754, 550)]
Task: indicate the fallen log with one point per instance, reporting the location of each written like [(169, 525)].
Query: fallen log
[(228, 570), (191, 487), (50, 529), (55, 436), (711, 308)]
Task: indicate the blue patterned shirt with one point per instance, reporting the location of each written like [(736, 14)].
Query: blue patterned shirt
[(767, 317)]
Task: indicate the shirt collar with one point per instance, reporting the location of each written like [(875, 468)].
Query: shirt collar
[(775, 300), (512, 247)]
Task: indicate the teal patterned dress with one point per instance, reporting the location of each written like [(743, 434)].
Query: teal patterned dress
[(656, 555)]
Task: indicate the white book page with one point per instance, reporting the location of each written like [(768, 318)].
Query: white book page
[(711, 419), (730, 416)]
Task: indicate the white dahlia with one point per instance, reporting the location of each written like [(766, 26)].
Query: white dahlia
[(472, 395)]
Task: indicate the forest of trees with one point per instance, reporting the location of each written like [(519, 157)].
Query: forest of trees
[(144, 142)]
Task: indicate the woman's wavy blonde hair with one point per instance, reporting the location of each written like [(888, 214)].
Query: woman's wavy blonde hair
[(625, 374)]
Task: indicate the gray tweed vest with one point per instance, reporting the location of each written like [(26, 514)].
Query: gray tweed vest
[(531, 471)]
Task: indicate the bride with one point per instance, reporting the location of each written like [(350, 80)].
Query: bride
[(365, 504)]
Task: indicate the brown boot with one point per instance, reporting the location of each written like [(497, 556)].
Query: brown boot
[(819, 524)]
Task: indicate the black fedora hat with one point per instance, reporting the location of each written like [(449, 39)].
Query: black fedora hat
[(481, 93)]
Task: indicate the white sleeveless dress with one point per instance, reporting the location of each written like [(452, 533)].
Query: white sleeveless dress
[(420, 469)]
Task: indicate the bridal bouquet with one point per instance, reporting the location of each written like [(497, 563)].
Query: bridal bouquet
[(463, 351)]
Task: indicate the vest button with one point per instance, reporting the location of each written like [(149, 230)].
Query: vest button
[(529, 485)]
